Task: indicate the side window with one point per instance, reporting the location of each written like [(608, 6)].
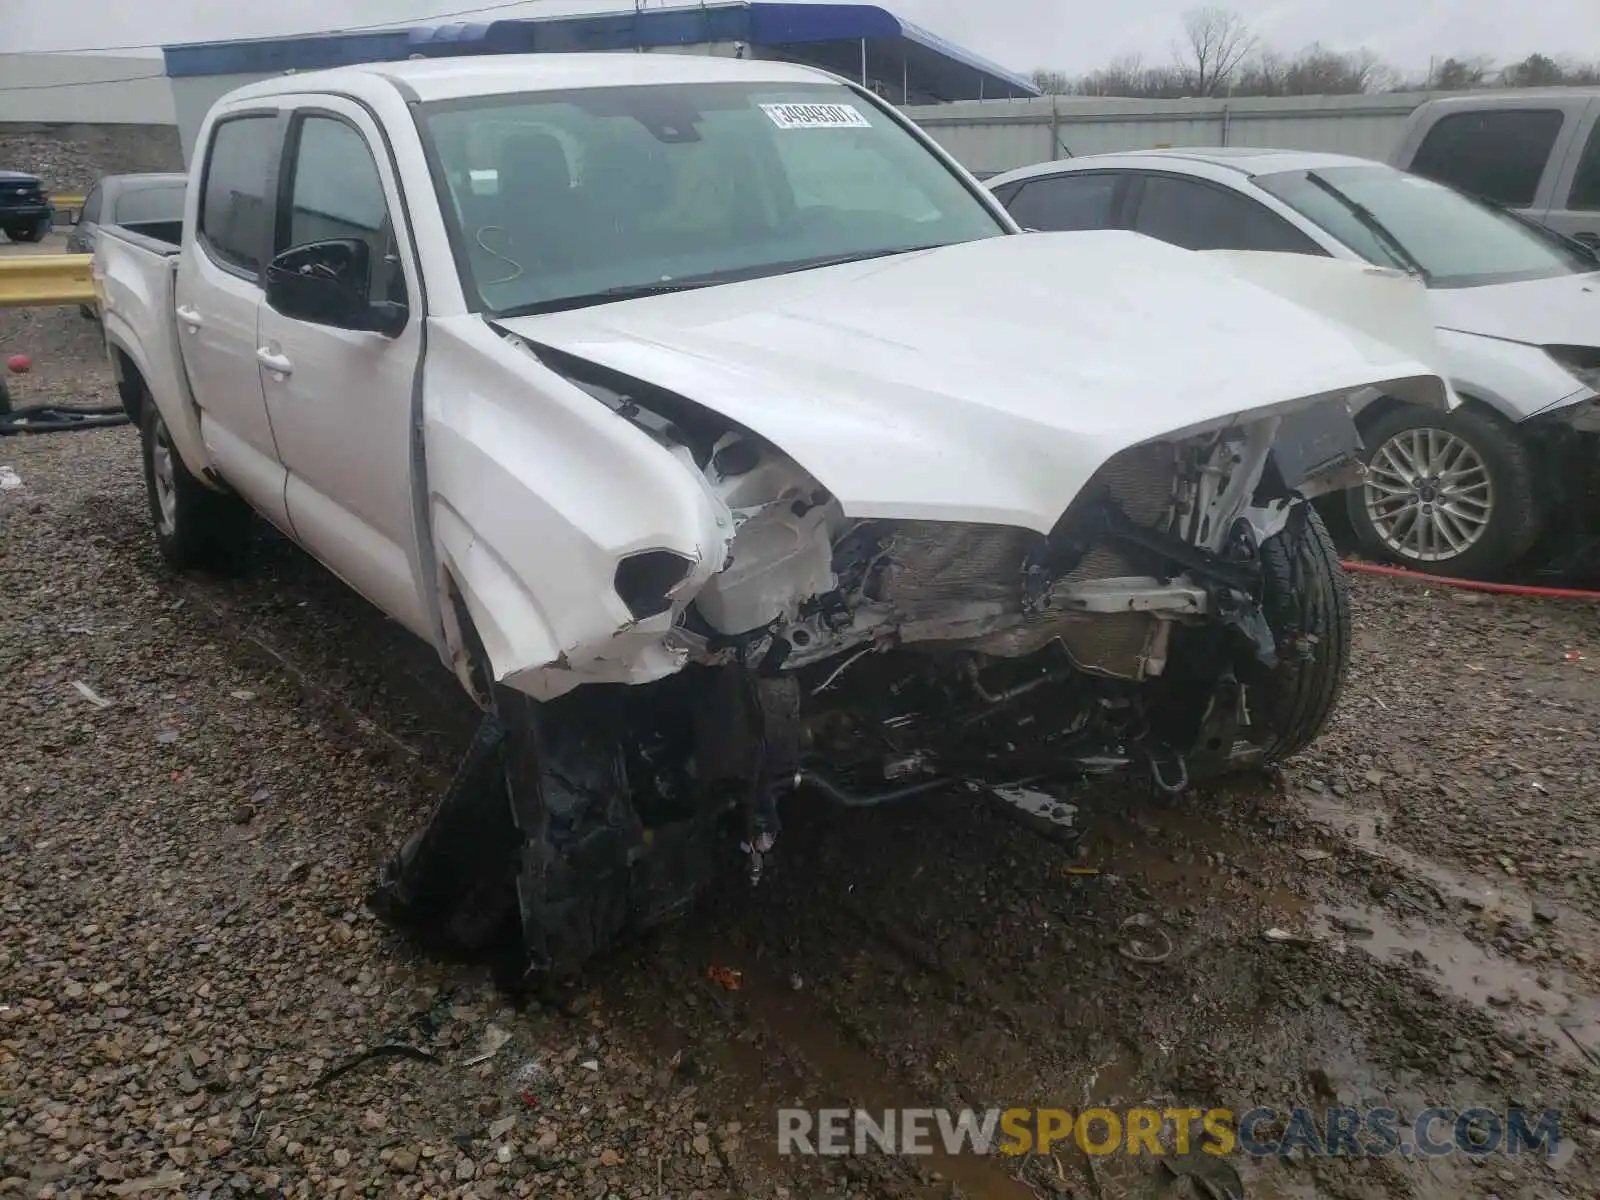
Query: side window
[(163, 203), (235, 210), (1063, 202), (1004, 192), (1200, 216), (335, 191), (1585, 192), (91, 205), (1499, 153)]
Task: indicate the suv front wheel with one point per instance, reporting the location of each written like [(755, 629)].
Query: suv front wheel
[(1446, 493)]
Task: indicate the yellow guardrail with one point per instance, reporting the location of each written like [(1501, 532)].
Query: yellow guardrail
[(69, 207), (32, 280)]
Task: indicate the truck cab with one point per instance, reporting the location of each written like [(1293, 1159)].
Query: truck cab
[(1535, 150)]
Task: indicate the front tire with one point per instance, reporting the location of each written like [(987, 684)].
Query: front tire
[(1446, 493), (194, 525), (31, 233), (1306, 600)]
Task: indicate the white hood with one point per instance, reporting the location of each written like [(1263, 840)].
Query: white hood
[(985, 381), (1564, 311)]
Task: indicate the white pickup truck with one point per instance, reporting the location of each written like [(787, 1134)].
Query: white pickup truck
[(720, 433)]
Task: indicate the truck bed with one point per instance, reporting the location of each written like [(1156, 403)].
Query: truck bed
[(135, 268), (162, 237)]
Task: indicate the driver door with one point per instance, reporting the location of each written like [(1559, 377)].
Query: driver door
[(340, 399)]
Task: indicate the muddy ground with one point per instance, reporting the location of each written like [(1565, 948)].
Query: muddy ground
[(184, 954)]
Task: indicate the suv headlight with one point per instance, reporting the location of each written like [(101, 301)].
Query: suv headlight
[(1583, 362)]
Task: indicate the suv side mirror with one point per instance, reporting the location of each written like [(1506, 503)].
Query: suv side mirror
[(329, 283)]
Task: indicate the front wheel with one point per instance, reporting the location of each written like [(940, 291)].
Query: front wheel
[(1219, 702), (1306, 602), (194, 525), (1446, 493), (31, 233)]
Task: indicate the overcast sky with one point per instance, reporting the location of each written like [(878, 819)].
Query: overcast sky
[(1073, 35)]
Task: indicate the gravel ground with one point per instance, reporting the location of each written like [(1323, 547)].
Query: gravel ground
[(184, 958), (70, 158)]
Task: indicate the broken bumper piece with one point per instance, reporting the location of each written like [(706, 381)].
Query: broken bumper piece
[(534, 857)]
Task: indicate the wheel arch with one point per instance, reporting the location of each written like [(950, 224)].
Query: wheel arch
[(130, 381), (1472, 399)]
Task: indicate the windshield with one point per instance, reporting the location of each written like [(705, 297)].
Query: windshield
[(558, 199), (1456, 240)]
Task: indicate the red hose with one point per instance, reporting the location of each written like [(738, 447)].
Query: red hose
[(1504, 589)]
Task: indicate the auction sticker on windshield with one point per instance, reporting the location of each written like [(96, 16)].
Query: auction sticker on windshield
[(816, 116)]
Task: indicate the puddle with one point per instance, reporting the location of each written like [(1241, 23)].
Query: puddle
[(1560, 1013), (1360, 829)]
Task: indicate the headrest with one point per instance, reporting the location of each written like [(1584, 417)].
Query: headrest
[(532, 162)]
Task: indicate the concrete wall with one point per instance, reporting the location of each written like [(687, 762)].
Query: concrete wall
[(996, 135), (83, 89)]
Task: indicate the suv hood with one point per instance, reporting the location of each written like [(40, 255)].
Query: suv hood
[(985, 381), (1564, 311)]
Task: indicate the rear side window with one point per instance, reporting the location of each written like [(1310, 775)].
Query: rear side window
[(1200, 216), (161, 203), (91, 205), (1586, 183), (1499, 153), (1063, 202), (235, 209)]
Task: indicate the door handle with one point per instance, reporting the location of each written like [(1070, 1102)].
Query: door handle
[(278, 363), (190, 317)]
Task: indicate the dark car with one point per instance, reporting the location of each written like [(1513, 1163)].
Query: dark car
[(26, 213), (123, 200)]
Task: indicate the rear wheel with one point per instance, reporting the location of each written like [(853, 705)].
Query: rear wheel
[(195, 526), (1446, 493)]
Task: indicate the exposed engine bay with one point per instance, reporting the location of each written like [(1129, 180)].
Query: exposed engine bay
[(1163, 534), (869, 661)]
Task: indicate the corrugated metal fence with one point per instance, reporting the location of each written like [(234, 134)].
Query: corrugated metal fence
[(989, 136)]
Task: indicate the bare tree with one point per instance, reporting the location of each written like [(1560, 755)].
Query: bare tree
[(1052, 83), (1215, 41)]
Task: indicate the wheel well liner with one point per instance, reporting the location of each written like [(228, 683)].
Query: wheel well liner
[(131, 386)]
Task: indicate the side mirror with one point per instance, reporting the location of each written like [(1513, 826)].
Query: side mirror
[(329, 283)]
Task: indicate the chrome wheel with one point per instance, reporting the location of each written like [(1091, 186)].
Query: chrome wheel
[(1429, 495), (163, 473)]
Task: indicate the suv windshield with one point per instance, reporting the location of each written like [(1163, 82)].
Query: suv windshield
[(1456, 240), (560, 199)]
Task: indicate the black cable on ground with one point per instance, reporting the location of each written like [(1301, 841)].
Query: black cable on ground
[(53, 418)]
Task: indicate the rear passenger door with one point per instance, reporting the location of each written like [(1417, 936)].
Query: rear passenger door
[(1200, 215), (1575, 210), (1072, 200), (219, 292)]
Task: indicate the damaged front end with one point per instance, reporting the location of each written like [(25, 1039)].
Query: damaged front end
[(874, 660)]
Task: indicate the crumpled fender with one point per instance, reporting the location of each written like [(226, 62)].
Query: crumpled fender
[(536, 492)]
